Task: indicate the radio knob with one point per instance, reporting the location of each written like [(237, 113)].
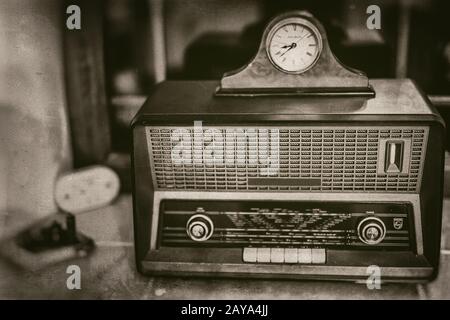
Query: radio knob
[(371, 230), (199, 227)]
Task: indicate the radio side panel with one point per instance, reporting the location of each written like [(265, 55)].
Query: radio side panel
[(142, 193), (431, 194)]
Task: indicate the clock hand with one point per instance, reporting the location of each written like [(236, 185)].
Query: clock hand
[(285, 52), (292, 46), (296, 42), (300, 39), (287, 46)]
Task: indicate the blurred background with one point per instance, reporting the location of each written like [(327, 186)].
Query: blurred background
[(67, 96)]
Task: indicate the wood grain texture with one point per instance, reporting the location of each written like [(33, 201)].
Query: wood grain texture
[(327, 73), (86, 96)]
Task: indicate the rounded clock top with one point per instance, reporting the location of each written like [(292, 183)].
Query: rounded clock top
[(294, 45), (294, 58)]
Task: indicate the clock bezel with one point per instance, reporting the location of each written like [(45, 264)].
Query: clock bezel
[(300, 21)]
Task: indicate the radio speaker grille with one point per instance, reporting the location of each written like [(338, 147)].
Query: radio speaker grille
[(291, 159)]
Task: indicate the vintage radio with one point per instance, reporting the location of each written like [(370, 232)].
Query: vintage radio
[(291, 167)]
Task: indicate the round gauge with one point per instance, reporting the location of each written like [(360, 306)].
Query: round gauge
[(294, 45)]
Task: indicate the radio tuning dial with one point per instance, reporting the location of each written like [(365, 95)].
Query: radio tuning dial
[(371, 230), (199, 227)]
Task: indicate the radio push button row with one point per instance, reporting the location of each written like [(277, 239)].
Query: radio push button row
[(287, 255)]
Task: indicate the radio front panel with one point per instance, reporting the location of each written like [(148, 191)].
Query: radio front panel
[(272, 224), (342, 158)]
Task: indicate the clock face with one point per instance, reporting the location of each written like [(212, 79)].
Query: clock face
[(294, 47)]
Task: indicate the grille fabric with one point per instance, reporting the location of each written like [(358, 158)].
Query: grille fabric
[(337, 159)]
